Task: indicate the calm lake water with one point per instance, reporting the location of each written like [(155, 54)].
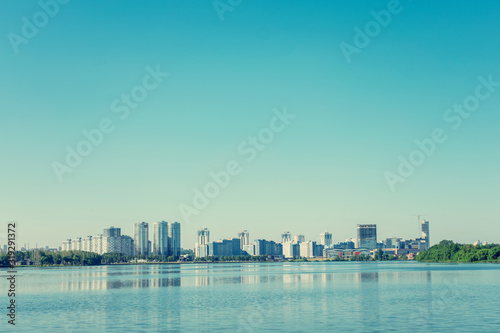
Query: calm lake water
[(259, 297)]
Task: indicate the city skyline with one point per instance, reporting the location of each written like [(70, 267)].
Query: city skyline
[(148, 109), (404, 233), (407, 230), (162, 241), (250, 166), (366, 244)]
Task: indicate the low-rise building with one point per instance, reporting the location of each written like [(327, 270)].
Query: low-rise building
[(224, 247), (265, 247), (101, 244), (249, 249)]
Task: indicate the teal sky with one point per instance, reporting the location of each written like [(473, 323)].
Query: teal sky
[(325, 170)]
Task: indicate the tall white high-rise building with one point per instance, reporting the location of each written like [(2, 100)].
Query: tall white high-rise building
[(326, 239), (174, 238), (99, 244), (286, 237), (112, 243), (299, 238), (160, 238), (307, 249), (425, 234), (244, 237), (201, 248), (291, 249), (66, 245), (76, 244), (203, 236), (141, 238), (87, 244), (112, 232), (127, 245)]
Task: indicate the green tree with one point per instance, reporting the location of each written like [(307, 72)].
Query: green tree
[(449, 251), (4, 260), (494, 253)]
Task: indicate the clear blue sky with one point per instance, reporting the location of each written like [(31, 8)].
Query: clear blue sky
[(324, 171)]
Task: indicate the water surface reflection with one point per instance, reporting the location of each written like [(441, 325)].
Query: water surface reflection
[(287, 275)]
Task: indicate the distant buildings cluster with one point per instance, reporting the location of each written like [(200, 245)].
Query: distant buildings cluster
[(365, 243), (111, 240), (166, 240)]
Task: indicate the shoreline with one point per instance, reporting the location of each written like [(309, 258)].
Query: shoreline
[(459, 262), (208, 262), (254, 262)]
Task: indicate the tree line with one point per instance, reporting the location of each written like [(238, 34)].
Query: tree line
[(84, 258), (79, 258), (448, 251)]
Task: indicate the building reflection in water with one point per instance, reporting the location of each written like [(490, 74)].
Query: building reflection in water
[(159, 276), (117, 277), (119, 284), (157, 282), (249, 279), (422, 316), (202, 280), (366, 277), (369, 298)]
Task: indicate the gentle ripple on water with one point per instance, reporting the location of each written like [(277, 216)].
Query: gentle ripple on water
[(260, 297)]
